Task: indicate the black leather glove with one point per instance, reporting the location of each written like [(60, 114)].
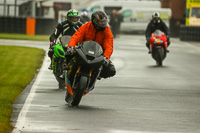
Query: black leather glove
[(106, 61), (70, 50), (51, 44)]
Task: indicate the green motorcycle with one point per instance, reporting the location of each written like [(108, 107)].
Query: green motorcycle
[(58, 60)]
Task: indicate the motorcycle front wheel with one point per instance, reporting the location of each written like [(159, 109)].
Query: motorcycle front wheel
[(159, 63), (160, 56), (78, 93), (59, 75)]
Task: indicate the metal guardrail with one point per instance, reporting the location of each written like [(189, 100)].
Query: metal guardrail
[(190, 33), (18, 25)]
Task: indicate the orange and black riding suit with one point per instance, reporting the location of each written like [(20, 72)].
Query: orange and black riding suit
[(88, 32)]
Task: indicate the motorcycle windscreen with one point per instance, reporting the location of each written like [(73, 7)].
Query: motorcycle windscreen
[(92, 49), (157, 33), (90, 52), (65, 40)]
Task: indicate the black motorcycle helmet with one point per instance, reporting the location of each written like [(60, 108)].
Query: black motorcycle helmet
[(73, 16), (99, 20)]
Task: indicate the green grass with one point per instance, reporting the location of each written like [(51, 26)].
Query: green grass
[(18, 66), (25, 37)]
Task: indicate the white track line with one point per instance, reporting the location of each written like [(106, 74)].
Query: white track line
[(22, 115)]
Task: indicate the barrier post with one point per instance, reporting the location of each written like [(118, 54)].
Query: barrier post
[(30, 26)]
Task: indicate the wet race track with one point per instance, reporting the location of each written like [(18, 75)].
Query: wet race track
[(141, 98)]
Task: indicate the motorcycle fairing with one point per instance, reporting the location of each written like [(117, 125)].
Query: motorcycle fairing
[(92, 48), (158, 41), (87, 62), (65, 41), (158, 49), (59, 51), (68, 85), (91, 53), (158, 38)]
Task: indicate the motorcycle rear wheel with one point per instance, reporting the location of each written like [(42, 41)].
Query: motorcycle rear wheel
[(81, 86)]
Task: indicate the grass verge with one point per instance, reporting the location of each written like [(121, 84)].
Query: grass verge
[(24, 37), (18, 66)]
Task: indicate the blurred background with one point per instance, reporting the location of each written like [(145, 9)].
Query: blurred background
[(39, 17)]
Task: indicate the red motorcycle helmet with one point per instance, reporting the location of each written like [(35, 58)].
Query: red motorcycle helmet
[(99, 20)]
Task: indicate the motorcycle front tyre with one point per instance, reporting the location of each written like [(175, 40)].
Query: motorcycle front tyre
[(78, 93), (160, 57)]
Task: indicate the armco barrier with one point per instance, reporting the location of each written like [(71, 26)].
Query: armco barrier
[(12, 25), (175, 27), (19, 25), (190, 33), (44, 26)]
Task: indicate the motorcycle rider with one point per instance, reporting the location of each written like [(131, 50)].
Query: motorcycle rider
[(67, 27), (96, 30), (84, 17), (156, 24)]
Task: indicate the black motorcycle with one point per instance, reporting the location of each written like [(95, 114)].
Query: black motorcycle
[(84, 68)]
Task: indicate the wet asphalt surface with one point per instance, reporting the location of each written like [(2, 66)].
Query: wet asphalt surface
[(140, 98)]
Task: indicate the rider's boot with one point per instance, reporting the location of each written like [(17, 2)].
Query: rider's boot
[(50, 67), (99, 78), (149, 52), (61, 85)]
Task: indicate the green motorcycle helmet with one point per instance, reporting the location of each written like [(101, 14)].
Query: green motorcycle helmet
[(73, 16)]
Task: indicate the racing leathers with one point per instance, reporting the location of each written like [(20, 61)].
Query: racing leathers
[(64, 28)]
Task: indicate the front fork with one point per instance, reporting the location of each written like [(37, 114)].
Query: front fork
[(78, 75), (58, 64), (71, 87)]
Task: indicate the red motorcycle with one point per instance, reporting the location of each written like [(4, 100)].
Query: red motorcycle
[(158, 46)]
